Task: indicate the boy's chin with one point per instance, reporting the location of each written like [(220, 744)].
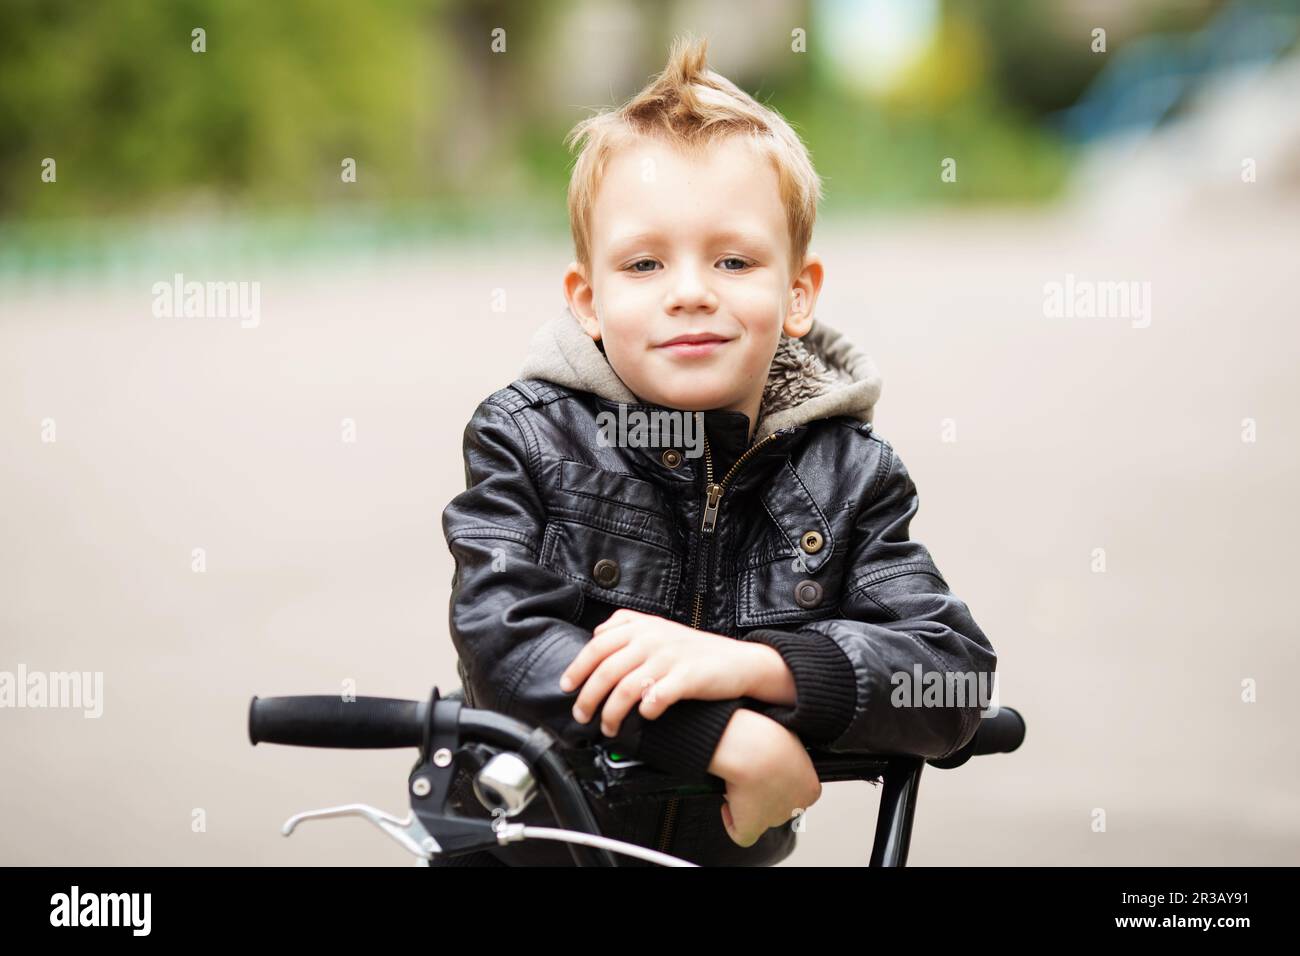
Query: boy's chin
[(686, 401)]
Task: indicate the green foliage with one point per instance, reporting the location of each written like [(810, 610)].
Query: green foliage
[(139, 123), (133, 117)]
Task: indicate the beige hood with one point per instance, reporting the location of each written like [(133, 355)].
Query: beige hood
[(817, 376)]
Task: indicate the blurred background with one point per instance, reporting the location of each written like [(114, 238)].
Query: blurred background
[(1111, 494)]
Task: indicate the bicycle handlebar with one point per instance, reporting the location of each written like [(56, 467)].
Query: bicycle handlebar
[(999, 734), (366, 723), (382, 722), (385, 722)]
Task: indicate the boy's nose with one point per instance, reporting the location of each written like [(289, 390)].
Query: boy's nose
[(690, 292)]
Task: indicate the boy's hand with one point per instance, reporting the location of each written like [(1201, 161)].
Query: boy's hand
[(768, 772), (635, 657)]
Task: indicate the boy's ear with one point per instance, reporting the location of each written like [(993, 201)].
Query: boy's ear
[(802, 302), (581, 298)]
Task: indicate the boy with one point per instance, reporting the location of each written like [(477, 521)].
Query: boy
[(703, 601)]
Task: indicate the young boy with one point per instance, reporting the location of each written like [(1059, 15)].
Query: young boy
[(681, 539)]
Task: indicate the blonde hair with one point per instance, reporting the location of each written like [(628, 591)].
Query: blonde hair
[(690, 107)]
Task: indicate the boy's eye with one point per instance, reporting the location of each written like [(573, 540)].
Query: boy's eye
[(651, 263)]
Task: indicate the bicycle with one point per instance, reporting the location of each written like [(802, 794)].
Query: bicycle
[(513, 762)]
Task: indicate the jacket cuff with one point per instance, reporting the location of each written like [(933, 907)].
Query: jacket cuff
[(683, 738), (826, 686)]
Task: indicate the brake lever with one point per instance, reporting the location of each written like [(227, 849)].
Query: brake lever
[(408, 831)]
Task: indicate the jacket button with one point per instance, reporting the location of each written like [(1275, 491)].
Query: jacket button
[(808, 594), (671, 457), (605, 572), (811, 542)]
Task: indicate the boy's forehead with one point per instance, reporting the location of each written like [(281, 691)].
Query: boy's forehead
[(650, 187), (651, 162)]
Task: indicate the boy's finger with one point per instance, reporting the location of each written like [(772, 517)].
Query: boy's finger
[(603, 680), (658, 695), (611, 622), (632, 689), (619, 616), (592, 653)]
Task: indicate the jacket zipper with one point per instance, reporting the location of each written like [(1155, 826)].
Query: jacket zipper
[(712, 500)]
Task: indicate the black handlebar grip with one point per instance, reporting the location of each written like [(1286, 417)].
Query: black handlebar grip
[(366, 723), (1001, 733)]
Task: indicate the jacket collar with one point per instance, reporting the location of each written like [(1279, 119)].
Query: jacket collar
[(817, 376)]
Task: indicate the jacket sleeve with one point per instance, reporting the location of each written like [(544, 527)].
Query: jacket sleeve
[(855, 674), (513, 621)]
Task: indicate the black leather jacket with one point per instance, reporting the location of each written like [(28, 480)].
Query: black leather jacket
[(809, 552)]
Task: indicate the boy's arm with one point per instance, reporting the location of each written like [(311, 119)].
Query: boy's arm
[(898, 615), (512, 619)]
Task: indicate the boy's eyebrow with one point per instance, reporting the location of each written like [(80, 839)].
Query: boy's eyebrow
[(729, 234)]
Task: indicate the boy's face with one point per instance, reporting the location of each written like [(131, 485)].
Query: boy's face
[(694, 248)]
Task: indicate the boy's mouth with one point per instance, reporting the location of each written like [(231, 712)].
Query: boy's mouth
[(694, 344)]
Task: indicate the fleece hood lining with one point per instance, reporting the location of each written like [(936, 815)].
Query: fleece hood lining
[(820, 375)]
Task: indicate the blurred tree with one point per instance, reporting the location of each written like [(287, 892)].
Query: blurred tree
[(284, 92), (413, 91), (1041, 56)]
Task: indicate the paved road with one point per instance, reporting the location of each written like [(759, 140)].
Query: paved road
[(325, 561)]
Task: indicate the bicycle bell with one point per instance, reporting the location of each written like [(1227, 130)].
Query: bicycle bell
[(505, 785)]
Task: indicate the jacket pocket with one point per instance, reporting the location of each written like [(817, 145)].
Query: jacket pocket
[(611, 568), (783, 590), (610, 501)]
